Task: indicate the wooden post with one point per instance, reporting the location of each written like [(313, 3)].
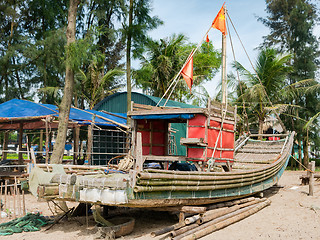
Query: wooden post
[(16, 190), (14, 202), (40, 149), (47, 141), (5, 145), (23, 203), (312, 167), (76, 135), (20, 159), (5, 193), (138, 155), (1, 194), (224, 72), (33, 157)]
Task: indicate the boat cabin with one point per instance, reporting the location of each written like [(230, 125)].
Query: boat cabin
[(209, 139)]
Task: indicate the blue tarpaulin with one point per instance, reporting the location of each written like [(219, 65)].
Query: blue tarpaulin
[(85, 117), (164, 116), (17, 110)]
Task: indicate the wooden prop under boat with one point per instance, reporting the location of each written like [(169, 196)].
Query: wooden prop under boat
[(253, 166)]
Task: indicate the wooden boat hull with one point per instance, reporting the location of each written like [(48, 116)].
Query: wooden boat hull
[(269, 176), (152, 188), (166, 199)]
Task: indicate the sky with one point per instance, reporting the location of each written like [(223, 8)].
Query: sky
[(194, 17)]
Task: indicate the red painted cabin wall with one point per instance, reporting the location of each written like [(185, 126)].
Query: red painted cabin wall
[(153, 131), (197, 129)]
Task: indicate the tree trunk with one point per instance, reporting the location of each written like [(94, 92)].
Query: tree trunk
[(20, 155), (5, 145), (40, 143), (89, 146), (129, 37), (64, 108), (261, 121), (76, 137), (76, 134), (90, 142), (299, 153), (305, 151)]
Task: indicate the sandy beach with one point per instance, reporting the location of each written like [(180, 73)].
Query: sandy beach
[(292, 215)]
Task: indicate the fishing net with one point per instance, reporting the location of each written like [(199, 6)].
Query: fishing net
[(38, 176), (28, 223)]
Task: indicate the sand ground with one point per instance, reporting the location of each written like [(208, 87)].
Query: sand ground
[(292, 215)]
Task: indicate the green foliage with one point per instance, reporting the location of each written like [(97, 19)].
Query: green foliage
[(291, 24), (142, 23), (266, 83), (164, 60)]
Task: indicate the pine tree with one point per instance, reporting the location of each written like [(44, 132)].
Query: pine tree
[(291, 24)]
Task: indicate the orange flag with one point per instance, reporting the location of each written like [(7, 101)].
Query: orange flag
[(187, 73), (207, 38), (220, 22)]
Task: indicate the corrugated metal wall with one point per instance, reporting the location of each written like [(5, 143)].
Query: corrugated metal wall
[(117, 102)]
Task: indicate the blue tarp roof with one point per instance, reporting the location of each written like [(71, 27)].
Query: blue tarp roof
[(85, 117), (16, 109), (164, 116)]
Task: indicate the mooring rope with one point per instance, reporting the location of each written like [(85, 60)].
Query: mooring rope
[(306, 169)]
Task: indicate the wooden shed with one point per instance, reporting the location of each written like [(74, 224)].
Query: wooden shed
[(117, 103)]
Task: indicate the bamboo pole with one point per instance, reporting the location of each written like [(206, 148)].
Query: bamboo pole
[(234, 174), (23, 203), (1, 192), (104, 118), (200, 177), (48, 190), (203, 231), (311, 177), (47, 141), (14, 202), (5, 193), (230, 203), (18, 195), (191, 219), (193, 209), (183, 182), (9, 204), (64, 179), (210, 215), (180, 235), (182, 231), (167, 229), (201, 188)]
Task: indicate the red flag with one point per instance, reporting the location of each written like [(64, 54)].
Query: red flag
[(207, 38), (220, 22), (187, 73)]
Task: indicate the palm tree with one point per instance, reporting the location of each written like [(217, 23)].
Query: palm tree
[(96, 84), (265, 84), (161, 65), (163, 60)]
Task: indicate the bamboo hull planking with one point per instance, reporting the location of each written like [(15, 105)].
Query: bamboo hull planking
[(161, 188)]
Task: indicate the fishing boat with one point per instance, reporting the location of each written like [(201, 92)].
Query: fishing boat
[(216, 167)]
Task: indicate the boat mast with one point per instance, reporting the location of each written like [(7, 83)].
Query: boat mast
[(223, 63)]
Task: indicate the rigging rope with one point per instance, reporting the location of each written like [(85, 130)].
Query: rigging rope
[(238, 76), (278, 117), (176, 77)]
